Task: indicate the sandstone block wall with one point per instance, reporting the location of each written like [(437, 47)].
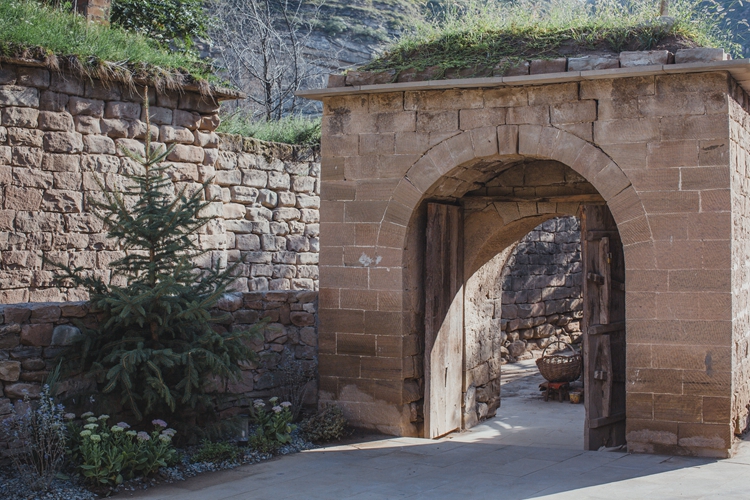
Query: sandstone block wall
[(740, 205), (541, 285), (655, 147), (32, 335), (61, 140)]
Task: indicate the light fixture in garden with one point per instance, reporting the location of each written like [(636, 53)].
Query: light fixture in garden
[(244, 430)]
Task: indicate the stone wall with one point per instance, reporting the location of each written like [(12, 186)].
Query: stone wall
[(541, 286), (739, 138), (32, 335), (61, 140)]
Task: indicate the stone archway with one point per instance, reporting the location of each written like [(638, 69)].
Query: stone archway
[(664, 176)]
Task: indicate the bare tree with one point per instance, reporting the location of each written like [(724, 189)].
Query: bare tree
[(264, 47)]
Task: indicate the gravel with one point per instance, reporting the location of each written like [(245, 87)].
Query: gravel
[(14, 488)]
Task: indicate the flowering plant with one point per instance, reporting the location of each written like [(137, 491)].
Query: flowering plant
[(272, 428), (39, 430), (110, 455)]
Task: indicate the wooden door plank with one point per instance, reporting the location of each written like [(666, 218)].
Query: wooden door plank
[(443, 319), (603, 328), (605, 287)]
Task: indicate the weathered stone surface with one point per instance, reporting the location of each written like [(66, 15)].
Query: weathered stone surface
[(36, 335), (63, 142), (64, 335), (16, 95), (644, 58), (591, 63), (21, 390), (700, 54), (10, 371)]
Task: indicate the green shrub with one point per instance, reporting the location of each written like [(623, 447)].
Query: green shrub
[(109, 455), (216, 452), (32, 29), (288, 130), (327, 425), (273, 428), (158, 348), (166, 21)]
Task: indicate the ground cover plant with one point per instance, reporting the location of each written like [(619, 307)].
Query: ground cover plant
[(288, 130), (32, 29), (473, 32)]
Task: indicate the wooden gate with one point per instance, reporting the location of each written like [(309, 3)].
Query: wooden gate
[(444, 319), (603, 328)]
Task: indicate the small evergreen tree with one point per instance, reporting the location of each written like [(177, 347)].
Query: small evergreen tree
[(158, 344)]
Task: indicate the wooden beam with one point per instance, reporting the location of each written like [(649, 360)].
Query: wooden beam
[(608, 328), (602, 421)]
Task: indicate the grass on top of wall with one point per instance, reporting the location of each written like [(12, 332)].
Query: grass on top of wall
[(34, 30), (289, 130), (466, 33)]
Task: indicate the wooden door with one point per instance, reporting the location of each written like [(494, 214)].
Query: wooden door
[(444, 319), (603, 328)]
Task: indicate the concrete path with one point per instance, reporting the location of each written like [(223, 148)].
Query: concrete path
[(532, 449)]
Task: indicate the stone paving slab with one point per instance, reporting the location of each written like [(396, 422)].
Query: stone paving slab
[(532, 449)]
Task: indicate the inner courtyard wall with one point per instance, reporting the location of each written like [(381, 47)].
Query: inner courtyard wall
[(654, 147)]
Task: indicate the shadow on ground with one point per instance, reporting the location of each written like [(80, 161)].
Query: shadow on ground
[(532, 449)]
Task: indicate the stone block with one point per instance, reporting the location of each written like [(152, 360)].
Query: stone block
[(10, 371), (629, 59), (699, 55), (123, 110), (99, 144), (541, 66), (13, 95), (86, 124), (197, 102), (356, 78), (53, 101), (50, 120), (187, 119), (64, 335), (169, 133), (588, 63), (21, 389), (20, 117), (189, 154), (25, 137), (81, 106), (36, 335), (63, 142)]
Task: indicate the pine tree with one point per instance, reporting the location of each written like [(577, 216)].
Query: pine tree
[(158, 344)]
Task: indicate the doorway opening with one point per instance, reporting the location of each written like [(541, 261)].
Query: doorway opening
[(489, 302)]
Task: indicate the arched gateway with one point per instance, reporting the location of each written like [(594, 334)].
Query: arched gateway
[(426, 184)]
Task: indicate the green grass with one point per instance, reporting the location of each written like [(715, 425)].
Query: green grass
[(35, 30), (288, 130), (473, 32)]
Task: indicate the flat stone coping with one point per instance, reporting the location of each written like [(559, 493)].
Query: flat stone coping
[(739, 69)]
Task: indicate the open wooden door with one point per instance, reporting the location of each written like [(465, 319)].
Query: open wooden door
[(603, 328), (444, 320)]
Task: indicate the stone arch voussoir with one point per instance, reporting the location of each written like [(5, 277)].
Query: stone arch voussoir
[(537, 141)]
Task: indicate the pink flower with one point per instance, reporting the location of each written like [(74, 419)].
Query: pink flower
[(286, 404), (159, 423), (143, 436), (276, 409), (124, 425)]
